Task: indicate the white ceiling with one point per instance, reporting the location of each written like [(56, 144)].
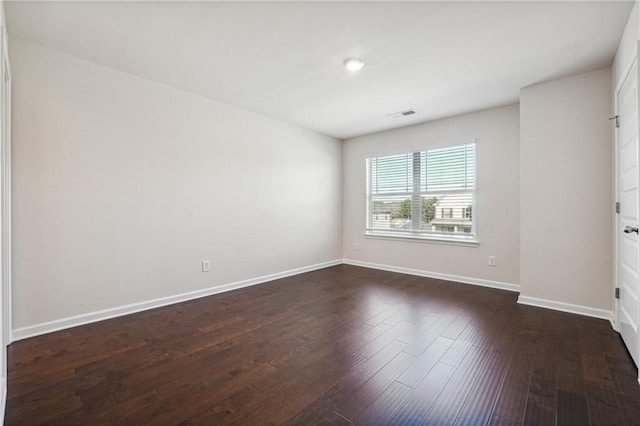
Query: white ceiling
[(283, 59)]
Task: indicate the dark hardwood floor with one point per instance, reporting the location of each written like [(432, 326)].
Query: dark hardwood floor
[(337, 346)]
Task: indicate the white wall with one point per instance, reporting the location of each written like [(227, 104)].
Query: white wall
[(123, 186), (566, 190), (496, 132)]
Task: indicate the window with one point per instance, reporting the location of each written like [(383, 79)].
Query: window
[(466, 212), (426, 194)]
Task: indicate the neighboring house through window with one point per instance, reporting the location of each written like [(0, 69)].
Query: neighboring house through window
[(428, 194)]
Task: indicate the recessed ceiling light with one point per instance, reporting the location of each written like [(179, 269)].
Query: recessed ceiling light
[(353, 64)]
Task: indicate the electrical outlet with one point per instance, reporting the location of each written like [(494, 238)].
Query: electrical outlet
[(357, 246), (492, 261), (206, 266)]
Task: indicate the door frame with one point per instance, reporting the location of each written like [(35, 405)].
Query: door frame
[(5, 69), (5, 213)]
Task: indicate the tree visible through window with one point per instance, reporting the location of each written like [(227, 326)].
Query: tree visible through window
[(424, 192)]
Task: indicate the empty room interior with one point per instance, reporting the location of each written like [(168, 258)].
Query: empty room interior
[(319, 212)]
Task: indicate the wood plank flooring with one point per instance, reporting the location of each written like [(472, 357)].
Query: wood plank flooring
[(343, 345)]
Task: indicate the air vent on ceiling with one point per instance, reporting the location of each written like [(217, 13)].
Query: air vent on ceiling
[(402, 113)]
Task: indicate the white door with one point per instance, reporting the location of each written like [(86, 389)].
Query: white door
[(628, 220)]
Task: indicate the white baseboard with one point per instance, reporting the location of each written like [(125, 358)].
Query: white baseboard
[(63, 323), (612, 320), (567, 307), (437, 275)]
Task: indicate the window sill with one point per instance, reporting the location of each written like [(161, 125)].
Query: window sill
[(453, 241)]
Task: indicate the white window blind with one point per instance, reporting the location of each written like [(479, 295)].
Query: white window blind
[(430, 192)]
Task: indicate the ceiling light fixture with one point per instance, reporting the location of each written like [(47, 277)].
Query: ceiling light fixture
[(353, 64)]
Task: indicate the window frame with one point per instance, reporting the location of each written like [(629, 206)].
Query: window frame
[(415, 233)]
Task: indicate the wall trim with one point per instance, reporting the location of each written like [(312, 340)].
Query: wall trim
[(567, 307), (437, 275), (90, 317), (613, 321), (74, 321)]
